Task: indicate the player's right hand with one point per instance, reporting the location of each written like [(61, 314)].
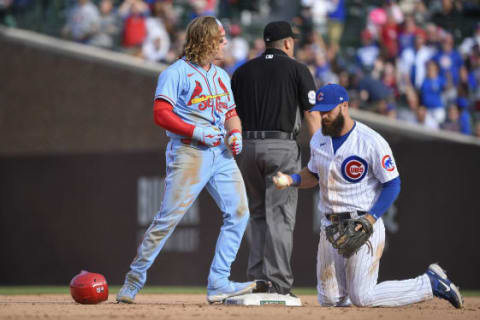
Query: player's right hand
[(209, 136), (282, 181)]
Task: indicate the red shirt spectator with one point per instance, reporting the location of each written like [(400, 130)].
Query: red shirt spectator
[(389, 37), (135, 31)]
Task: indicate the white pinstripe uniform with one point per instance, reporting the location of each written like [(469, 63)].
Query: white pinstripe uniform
[(351, 180)]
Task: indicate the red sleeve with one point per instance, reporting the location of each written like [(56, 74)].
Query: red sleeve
[(165, 117)]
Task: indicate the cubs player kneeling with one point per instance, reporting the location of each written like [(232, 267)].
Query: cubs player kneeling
[(358, 179), (194, 103)]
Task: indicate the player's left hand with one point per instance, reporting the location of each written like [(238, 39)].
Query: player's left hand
[(348, 236), (235, 142)]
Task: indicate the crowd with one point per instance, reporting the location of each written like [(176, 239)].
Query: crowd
[(417, 60)]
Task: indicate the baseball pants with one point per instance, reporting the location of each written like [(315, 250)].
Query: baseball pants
[(272, 211), (189, 170), (343, 281)]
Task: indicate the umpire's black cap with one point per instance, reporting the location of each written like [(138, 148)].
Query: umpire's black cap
[(278, 30)]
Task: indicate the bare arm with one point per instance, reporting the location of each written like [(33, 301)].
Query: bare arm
[(313, 121)]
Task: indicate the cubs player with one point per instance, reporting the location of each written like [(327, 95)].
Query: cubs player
[(194, 103), (358, 180)]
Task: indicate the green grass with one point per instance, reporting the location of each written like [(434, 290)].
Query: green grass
[(25, 290)]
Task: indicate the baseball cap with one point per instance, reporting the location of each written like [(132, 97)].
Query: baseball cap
[(329, 96), (278, 30)]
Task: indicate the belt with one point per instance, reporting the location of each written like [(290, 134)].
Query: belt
[(337, 217), (193, 142), (268, 135)]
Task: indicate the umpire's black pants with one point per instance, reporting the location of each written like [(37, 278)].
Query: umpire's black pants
[(272, 211)]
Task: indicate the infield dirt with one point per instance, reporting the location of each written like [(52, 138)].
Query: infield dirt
[(194, 306)]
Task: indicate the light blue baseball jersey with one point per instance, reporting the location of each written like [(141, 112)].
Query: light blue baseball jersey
[(198, 97)]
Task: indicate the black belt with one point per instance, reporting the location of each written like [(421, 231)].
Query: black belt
[(268, 135), (336, 217)]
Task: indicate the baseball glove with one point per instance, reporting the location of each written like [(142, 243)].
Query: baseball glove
[(349, 235)]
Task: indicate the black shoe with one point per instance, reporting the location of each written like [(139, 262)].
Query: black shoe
[(263, 286)]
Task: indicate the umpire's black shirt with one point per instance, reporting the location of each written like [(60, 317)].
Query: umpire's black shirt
[(268, 89)]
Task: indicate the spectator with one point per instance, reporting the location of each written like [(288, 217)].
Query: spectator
[(406, 39), (413, 61), (323, 73), (389, 78), (387, 109), (389, 37), (374, 91), (83, 22), (238, 46), (368, 53), (336, 19), (134, 13), (449, 60), (449, 16), (202, 8), (109, 26), (318, 11), (452, 122), (157, 42), (464, 119), (467, 46), (425, 119), (431, 92)]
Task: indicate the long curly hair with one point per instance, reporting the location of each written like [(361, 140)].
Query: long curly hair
[(203, 40)]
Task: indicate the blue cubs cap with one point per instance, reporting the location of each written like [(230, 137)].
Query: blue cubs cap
[(329, 96)]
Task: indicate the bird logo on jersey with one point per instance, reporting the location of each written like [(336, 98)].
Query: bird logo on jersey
[(196, 92), (387, 163), (354, 169), (224, 88)]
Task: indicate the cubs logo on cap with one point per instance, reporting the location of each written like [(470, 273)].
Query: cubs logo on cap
[(354, 169), (330, 96), (387, 163)]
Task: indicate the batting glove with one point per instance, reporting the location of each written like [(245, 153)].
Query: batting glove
[(209, 136), (235, 142)]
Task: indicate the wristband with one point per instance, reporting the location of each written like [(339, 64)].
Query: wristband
[(297, 179)]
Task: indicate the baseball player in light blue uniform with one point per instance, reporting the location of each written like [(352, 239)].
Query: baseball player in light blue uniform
[(357, 177), (194, 102)]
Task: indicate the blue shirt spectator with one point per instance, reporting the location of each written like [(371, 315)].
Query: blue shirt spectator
[(432, 87), (337, 11), (449, 60), (431, 92)]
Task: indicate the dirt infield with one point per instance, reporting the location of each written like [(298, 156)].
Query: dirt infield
[(194, 306)]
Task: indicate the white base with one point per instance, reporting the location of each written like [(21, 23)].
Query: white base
[(260, 299)]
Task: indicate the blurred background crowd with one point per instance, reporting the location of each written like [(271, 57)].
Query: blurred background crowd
[(413, 60)]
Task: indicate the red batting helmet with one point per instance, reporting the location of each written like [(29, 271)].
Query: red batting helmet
[(89, 288)]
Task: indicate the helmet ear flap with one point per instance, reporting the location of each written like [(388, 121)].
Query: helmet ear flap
[(89, 288)]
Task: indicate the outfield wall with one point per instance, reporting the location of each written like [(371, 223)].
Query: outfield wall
[(82, 167)]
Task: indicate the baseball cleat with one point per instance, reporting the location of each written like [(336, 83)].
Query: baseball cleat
[(231, 289), (127, 293), (442, 287)]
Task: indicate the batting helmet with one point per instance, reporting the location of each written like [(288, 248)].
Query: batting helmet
[(89, 288)]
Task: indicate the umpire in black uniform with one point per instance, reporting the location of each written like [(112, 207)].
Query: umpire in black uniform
[(273, 92)]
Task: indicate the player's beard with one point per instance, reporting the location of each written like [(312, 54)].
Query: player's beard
[(335, 127)]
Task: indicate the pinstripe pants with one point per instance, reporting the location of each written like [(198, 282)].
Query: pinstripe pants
[(343, 281)]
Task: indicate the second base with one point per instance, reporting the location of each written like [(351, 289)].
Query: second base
[(260, 299)]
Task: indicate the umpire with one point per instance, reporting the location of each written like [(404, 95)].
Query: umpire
[(273, 92)]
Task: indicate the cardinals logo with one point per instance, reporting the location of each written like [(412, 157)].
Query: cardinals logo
[(224, 88), (196, 92)]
